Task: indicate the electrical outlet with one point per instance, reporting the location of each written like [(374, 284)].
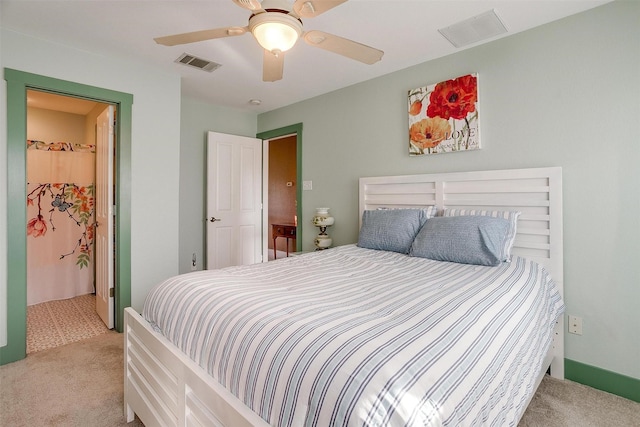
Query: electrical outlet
[(194, 264), (575, 325)]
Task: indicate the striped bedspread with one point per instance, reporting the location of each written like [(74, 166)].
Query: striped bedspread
[(357, 337)]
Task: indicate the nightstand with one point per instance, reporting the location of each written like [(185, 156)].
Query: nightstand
[(287, 231)]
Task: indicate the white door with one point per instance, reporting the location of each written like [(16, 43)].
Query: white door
[(234, 212), (104, 256)]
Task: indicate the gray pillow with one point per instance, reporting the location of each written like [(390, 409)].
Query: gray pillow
[(512, 216), (463, 239), (390, 229)]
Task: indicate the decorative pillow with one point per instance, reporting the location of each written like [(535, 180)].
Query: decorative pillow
[(462, 239), (430, 211), (390, 229), (511, 216)]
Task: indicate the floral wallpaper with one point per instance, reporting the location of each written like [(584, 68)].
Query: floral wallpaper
[(443, 117)]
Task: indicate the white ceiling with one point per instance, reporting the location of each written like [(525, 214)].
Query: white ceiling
[(407, 31)]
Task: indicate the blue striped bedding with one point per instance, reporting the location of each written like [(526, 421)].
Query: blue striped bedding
[(359, 337)]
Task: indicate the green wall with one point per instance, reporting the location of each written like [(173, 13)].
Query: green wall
[(564, 94)]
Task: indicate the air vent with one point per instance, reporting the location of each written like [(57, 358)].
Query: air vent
[(473, 30), (199, 63)]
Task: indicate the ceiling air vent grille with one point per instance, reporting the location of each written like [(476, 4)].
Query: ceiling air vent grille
[(474, 29), (199, 63)]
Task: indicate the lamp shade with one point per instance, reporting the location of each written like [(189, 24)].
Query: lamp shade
[(275, 32)]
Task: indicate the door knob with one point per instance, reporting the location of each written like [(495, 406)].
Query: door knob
[(214, 219)]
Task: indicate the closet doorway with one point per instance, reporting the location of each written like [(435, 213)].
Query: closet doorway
[(70, 169)]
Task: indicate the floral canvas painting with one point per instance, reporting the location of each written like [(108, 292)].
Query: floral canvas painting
[(443, 117)]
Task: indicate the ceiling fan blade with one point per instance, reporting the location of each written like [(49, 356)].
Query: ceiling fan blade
[(272, 66), (249, 4), (313, 8), (344, 47), (198, 36)]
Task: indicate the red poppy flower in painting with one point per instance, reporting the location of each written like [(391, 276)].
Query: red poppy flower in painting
[(37, 226), (429, 132), (454, 98)]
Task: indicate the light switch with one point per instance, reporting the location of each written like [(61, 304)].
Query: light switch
[(307, 185)]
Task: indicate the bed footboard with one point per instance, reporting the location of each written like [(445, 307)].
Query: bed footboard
[(163, 387)]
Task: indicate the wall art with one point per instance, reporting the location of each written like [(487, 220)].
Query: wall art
[(443, 117)]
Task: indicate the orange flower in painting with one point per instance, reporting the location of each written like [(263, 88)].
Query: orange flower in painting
[(37, 227), (454, 98), (90, 232), (429, 132), (78, 191), (415, 108)]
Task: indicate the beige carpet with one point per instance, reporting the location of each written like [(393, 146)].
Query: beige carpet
[(568, 404), (55, 323), (80, 384)]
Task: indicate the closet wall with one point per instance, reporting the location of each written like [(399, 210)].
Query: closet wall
[(60, 204)]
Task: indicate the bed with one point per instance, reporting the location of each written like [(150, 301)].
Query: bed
[(362, 336)]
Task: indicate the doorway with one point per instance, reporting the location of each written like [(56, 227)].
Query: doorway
[(295, 133), (64, 135), (282, 184), (18, 82)]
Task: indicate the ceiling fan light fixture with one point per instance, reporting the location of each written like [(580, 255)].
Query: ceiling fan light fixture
[(275, 31)]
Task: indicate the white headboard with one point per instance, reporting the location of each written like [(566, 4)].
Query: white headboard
[(537, 193)]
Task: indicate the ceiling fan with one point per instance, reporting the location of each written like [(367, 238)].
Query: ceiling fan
[(276, 25)]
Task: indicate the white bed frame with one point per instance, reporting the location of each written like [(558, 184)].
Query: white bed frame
[(166, 388)]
